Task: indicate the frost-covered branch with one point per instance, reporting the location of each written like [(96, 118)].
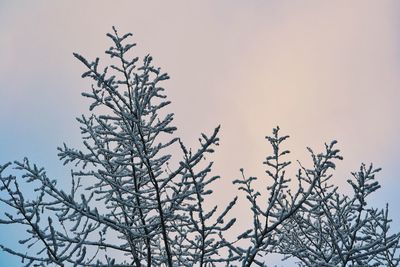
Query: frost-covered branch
[(337, 230), (140, 197), (280, 204)]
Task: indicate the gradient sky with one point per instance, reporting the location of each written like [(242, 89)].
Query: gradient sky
[(322, 70)]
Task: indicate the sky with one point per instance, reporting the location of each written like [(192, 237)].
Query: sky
[(321, 70)]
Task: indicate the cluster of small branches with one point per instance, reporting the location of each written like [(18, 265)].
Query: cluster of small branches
[(128, 204), (331, 229)]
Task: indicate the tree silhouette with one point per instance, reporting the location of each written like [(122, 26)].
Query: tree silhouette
[(132, 204)]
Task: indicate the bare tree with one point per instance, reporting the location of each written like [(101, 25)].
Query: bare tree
[(337, 230), (281, 204), (124, 186), (132, 204)]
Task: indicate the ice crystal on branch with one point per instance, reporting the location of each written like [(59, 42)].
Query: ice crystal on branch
[(129, 204), (336, 230)]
